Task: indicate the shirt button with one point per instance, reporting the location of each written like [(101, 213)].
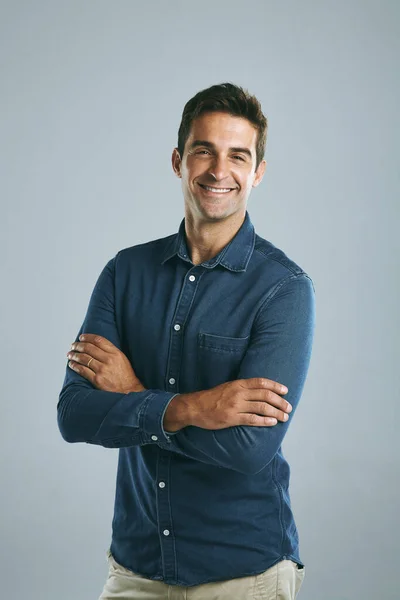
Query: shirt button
[(154, 437), (192, 278), (166, 532), (172, 380), (177, 327), (161, 484)]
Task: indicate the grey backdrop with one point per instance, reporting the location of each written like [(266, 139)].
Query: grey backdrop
[(90, 104)]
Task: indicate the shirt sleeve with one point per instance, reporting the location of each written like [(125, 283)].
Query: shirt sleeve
[(280, 349), (110, 419)]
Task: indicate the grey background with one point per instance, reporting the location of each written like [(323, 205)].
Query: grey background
[(91, 99)]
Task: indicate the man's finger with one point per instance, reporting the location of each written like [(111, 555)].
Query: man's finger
[(263, 382), (83, 359), (99, 341), (91, 349), (86, 372)]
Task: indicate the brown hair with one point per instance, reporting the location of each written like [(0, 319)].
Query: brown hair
[(229, 98)]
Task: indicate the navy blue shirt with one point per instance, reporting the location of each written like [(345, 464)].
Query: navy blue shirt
[(198, 505)]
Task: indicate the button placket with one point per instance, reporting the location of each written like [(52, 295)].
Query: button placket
[(165, 525), (163, 490), (181, 313)]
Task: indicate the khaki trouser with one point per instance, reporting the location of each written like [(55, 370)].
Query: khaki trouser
[(280, 582)]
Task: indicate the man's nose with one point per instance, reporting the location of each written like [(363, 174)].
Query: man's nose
[(219, 168)]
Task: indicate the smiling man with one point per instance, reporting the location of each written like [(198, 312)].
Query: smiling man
[(181, 363)]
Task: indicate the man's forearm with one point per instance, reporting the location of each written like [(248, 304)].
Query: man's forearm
[(179, 413)]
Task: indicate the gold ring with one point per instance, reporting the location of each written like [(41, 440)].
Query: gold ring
[(89, 361)]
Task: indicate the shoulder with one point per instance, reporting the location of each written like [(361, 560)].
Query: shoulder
[(272, 259), (271, 255), (287, 285), (152, 248)]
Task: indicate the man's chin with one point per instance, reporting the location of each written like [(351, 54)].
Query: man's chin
[(211, 210), (216, 212)]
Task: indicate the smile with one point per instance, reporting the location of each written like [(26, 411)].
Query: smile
[(216, 190)]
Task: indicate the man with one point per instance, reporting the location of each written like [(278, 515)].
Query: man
[(189, 342)]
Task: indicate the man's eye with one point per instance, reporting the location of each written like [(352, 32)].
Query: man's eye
[(239, 157), (200, 151)]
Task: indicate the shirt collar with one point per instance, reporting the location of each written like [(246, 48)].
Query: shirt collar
[(234, 256)]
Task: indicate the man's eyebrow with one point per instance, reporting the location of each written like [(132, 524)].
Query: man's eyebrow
[(208, 144)]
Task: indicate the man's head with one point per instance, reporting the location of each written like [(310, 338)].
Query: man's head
[(221, 143)]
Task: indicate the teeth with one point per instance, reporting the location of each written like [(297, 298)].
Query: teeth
[(218, 190)]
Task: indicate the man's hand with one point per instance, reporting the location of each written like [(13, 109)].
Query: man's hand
[(255, 401), (109, 369)]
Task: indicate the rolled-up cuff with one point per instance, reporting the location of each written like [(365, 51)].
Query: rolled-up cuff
[(152, 414)]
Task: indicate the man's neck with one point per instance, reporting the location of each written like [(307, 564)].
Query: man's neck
[(205, 239)]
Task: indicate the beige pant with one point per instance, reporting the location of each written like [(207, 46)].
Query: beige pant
[(280, 582)]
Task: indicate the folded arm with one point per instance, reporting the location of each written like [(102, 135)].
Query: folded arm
[(109, 419), (280, 349)]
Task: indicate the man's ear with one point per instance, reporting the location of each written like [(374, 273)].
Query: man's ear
[(259, 173), (176, 162)]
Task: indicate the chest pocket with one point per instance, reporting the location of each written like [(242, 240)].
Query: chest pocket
[(218, 359)]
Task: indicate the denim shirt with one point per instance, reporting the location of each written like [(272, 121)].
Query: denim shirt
[(198, 505)]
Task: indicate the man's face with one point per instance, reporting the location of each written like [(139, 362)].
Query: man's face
[(220, 153)]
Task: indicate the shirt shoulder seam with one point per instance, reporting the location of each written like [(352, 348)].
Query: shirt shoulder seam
[(278, 286), (270, 255)]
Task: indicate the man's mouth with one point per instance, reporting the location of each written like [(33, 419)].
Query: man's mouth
[(216, 190)]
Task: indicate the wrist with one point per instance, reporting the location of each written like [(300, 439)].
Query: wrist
[(179, 413), (137, 388)]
